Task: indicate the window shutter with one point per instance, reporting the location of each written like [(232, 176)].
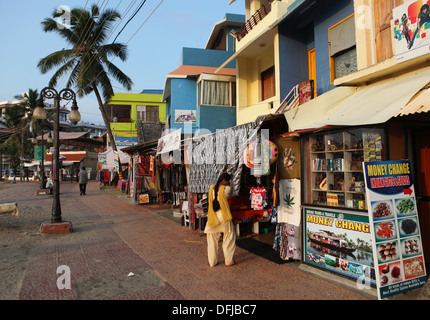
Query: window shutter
[(342, 36)]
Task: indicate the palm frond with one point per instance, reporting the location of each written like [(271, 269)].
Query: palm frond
[(119, 76), (87, 61), (55, 59)]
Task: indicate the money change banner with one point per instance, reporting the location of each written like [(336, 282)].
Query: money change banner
[(393, 217)]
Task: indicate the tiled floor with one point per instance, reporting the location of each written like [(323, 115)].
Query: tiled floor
[(112, 237)]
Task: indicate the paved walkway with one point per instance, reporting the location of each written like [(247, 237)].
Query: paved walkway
[(112, 238)]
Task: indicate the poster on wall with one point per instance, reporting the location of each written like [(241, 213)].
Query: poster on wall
[(340, 242), (397, 247), (289, 157), (125, 141), (411, 30), (185, 116)]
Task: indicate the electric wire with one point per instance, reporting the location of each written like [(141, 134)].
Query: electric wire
[(141, 26), (141, 5)]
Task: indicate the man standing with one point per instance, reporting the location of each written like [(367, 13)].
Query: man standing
[(71, 173), (83, 180)]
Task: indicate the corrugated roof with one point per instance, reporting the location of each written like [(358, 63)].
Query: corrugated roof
[(419, 104), (65, 135)]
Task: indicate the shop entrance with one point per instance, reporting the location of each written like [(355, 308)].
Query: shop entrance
[(423, 187)]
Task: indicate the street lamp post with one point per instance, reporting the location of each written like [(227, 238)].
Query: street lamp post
[(74, 116)]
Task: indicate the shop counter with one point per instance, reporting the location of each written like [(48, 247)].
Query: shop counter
[(242, 212)]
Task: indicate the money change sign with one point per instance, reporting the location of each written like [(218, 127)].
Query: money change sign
[(393, 217)]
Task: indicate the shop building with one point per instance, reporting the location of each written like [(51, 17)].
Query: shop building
[(369, 103), (128, 113)]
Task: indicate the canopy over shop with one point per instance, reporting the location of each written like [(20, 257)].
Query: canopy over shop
[(265, 180), (142, 174)]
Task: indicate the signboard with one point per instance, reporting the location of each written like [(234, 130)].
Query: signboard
[(393, 217), (340, 242), (169, 142), (125, 141), (411, 30), (38, 153), (144, 198), (185, 116)]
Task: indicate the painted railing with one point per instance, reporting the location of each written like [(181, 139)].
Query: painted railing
[(253, 21)]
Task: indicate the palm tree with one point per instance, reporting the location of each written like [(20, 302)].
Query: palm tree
[(27, 105), (87, 61), (16, 118)]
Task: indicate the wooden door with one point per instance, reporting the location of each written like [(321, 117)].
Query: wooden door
[(268, 83), (383, 17), (313, 69), (423, 188)]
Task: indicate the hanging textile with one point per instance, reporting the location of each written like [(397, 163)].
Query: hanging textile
[(212, 154), (289, 210), (287, 241), (143, 166)]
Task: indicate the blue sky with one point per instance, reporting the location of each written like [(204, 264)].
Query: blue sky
[(153, 52)]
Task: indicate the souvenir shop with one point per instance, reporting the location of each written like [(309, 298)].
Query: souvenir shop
[(156, 178), (337, 219), (265, 201)]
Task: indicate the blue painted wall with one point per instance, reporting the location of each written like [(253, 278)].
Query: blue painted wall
[(205, 57), (213, 118), (183, 94), (299, 34), (183, 97)]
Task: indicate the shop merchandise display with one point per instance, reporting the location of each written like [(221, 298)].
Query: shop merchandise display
[(258, 198)]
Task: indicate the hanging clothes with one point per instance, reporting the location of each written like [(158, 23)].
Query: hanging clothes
[(258, 198), (287, 241)]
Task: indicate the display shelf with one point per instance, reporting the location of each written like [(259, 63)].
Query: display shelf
[(336, 166)]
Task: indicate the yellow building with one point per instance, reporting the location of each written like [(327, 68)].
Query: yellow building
[(257, 54)]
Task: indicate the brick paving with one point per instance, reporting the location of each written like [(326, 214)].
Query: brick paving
[(112, 237)]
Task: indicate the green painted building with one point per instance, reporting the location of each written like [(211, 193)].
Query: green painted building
[(127, 112)]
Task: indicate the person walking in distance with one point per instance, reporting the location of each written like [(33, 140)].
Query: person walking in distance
[(220, 221), (83, 180)]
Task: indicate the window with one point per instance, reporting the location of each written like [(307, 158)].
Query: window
[(147, 114), (342, 44), (268, 83), (217, 93)]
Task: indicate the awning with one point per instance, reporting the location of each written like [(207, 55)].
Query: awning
[(372, 104), (419, 104), (69, 156), (307, 115)]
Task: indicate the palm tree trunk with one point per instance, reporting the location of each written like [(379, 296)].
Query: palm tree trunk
[(105, 119)]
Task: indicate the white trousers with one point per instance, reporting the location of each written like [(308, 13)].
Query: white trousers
[(228, 246)]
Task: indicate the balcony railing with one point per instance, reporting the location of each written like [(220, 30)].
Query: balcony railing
[(299, 95), (117, 119), (253, 21)]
